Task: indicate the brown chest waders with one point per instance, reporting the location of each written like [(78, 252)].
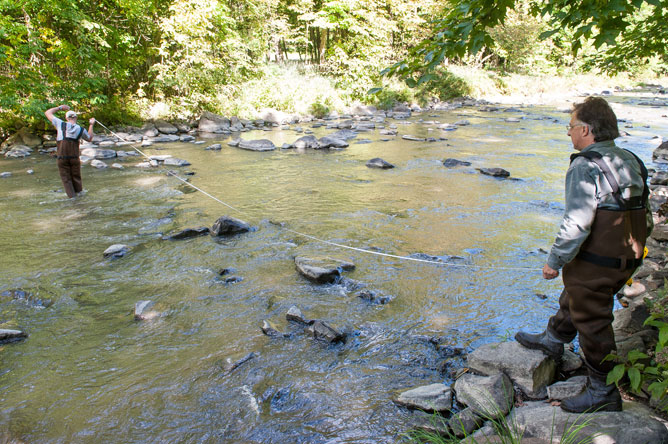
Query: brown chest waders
[(69, 165), (607, 259)]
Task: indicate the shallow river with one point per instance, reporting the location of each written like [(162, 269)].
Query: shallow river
[(89, 373)]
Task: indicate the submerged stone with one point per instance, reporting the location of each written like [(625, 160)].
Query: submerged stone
[(227, 225), (187, 233), (377, 162), (323, 270), (7, 335)]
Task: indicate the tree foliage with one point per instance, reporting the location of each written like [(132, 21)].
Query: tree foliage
[(618, 29)]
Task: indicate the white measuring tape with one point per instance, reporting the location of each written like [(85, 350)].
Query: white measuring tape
[(348, 247)]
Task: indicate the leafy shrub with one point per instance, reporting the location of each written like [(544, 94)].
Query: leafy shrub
[(319, 110), (647, 371), (444, 85)]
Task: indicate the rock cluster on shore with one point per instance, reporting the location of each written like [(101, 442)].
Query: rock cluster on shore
[(507, 382)]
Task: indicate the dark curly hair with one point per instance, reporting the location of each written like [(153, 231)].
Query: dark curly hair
[(596, 113)]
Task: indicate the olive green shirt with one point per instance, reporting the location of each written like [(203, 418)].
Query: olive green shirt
[(586, 190)]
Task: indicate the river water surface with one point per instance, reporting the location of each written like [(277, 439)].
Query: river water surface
[(89, 373)]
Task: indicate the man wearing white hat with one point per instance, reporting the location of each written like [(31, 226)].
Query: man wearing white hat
[(67, 141)]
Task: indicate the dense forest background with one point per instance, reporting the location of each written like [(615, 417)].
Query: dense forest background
[(127, 60)]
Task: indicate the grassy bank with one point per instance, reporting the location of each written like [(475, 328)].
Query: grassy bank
[(302, 90)]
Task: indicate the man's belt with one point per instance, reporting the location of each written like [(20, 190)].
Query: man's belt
[(610, 262)]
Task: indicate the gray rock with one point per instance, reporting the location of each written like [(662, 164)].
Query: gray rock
[(322, 331), (661, 152), (227, 225), (187, 233), (98, 153), (307, 142), (570, 361), (30, 171), (98, 164), (660, 232), (464, 423), (166, 127), (18, 151), (270, 330), (344, 134), (117, 166), (634, 425), (143, 310), (332, 142), (116, 250), (214, 147), (294, 314), (659, 178), (5, 174), (626, 344), (495, 172), (487, 396), (166, 138), (628, 321), (451, 163), (212, 123), (530, 370), (173, 161), (257, 145), (186, 138), (374, 297), (149, 130), (429, 398), (160, 157), (566, 389), (447, 127), (7, 335), (462, 123), (322, 270), (377, 162), (413, 138)]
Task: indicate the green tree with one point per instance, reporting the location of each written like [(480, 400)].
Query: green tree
[(466, 28)]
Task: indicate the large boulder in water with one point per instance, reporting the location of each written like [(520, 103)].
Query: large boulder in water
[(332, 142), (166, 127), (307, 142), (227, 225), (495, 172), (98, 153), (324, 332), (18, 151), (377, 162), (323, 270), (257, 145), (212, 123)]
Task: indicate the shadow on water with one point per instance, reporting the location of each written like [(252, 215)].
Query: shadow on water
[(90, 373)]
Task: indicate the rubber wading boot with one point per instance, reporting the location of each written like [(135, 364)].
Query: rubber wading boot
[(542, 341), (597, 396)]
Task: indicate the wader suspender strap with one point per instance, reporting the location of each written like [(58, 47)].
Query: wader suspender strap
[(597, 158), (606, 261), (63, 127)]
